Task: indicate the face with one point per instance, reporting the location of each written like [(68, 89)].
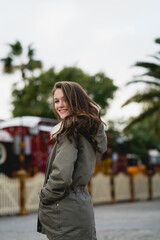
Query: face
[(60, 104)]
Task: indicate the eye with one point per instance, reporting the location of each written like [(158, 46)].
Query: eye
[(56, 101)]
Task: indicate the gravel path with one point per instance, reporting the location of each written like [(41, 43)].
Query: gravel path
[(121, 221)]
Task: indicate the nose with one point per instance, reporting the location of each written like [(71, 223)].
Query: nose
[(61, 103)]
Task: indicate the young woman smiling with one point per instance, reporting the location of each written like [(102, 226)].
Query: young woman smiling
[(65, 210)]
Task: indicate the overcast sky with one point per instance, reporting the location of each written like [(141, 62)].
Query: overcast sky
[(95, 35)]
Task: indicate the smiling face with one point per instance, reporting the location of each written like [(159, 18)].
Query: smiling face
[(60, 104)]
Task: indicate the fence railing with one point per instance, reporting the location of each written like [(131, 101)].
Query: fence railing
[(20, 195), (33, 186), (9, 195), (122, 187)]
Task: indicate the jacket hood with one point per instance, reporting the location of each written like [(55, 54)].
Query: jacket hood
[(56, 129), (101, 139)]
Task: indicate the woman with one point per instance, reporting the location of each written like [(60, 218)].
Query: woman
[(65, 210)]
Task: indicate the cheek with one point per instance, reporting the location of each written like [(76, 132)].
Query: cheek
[(68, 107), (55, 107)]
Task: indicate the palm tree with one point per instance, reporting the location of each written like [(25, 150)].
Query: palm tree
[(150, 97), (16, 50)]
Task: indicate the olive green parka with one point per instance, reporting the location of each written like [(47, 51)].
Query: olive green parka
[(65, 209)]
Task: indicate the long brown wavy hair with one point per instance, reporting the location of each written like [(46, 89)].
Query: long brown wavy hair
[(85, 113)]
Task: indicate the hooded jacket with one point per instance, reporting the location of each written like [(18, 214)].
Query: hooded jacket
[(65, 209)]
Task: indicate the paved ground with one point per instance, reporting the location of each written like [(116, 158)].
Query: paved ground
[(121, 221)]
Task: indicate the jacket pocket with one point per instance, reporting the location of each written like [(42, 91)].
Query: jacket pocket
[(49, 216)]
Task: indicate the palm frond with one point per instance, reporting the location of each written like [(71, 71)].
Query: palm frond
[(33, 64), (157, 40), (31, 51), (151, 66), (16, 48), (147, 113), (145, 97), (144, 81), (7, 64), (155, 57), (154, 74), (150, 97)]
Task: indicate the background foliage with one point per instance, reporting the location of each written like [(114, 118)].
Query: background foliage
[(35, 98)]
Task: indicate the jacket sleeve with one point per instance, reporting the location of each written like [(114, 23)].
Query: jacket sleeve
[(62, 170)]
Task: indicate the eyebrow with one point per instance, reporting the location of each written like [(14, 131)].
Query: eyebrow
[(58, 98)]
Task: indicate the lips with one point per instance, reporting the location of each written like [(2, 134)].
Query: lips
[(63, 111)]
